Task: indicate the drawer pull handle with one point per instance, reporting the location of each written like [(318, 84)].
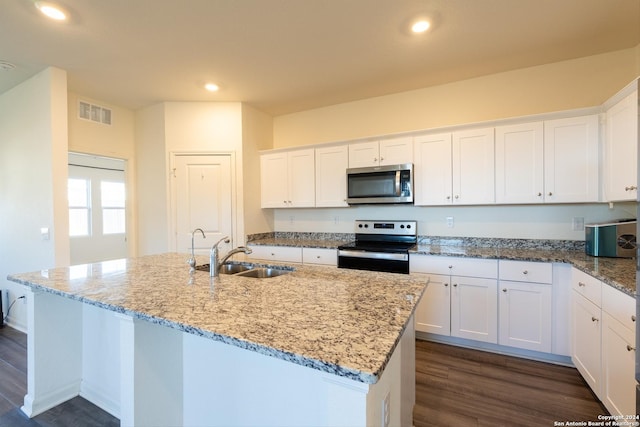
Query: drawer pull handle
[(594, 319), (581, 284), (525, 272), (629, 348), (633, 318), (633, 187)]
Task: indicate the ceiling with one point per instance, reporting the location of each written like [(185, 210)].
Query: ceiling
[(283, 56)]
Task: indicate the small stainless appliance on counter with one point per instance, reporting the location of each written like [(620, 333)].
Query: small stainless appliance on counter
[(611, 239), (380, 246)]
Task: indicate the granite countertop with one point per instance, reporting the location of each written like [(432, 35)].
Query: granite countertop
[(617, 272), (345, 322)]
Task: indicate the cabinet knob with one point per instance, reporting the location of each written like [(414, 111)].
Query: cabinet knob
[(446, 285), (457, 197), (629, 348), (539, 194), (630, 188), (448, 197), (450, 267), (594, 319), (375, 159), (382, 159), (581, 284), (550, 193), (504, 290), (525, 272), (633, 318), (455, 285)]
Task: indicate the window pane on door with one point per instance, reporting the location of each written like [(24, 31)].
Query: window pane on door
[(113, 203), (78, 194)]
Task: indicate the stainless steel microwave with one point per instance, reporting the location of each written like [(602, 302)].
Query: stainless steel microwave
[(380, 184)]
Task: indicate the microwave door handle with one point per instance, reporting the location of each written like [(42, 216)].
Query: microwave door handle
[(398, 189)]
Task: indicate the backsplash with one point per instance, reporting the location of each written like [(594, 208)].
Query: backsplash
[(484, 242)]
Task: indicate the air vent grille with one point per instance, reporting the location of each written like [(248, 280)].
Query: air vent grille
[(94, 113)]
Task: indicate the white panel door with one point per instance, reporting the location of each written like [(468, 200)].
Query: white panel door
[(432, 163), (202, 200), (474, 308), (331, 176), (97, 229), (433, 314), (474, 167)]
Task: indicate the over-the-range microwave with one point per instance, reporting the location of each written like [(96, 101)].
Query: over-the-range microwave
[(380, 184)]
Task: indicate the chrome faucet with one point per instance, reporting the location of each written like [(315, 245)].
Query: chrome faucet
[(214, 263), (213, 257), (192, 260)]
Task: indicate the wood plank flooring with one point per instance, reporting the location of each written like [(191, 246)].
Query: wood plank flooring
[(454, 387), (462, 387)]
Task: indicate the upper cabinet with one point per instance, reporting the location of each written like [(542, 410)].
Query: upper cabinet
[(455, 168), (571, 160), (555, 161), (520, 163), (331, 176), (621, 148), (390, 151), (287, 179)]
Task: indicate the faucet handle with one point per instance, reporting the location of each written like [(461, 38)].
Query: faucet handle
[(225, 239)]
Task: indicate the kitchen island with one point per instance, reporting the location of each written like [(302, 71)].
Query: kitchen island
[(316, 346)]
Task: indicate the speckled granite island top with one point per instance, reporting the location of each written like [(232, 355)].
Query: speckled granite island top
[(345, 322)]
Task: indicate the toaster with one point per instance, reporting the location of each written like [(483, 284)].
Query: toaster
[(611, 239)]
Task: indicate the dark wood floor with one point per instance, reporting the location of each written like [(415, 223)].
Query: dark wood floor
[(454, 387), (461, 387)]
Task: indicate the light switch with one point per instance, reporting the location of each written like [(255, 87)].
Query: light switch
[(44, 232)]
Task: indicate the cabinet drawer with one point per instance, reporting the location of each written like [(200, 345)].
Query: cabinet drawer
[(587, 286), (320, 256), (472, 267), (525, 271), (619, 305), (276, 253)]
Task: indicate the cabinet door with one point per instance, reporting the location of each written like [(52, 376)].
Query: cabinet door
[(331, 176), (474, 308), (320, 256), (274, 180), (433, 314), (586, 341), (621, 147), (301, 178), (433, 169), (519, 163), (618, 361), (525, 315), (571, 160), (276, 253), (396, 151), (473, 167), (364, 154)]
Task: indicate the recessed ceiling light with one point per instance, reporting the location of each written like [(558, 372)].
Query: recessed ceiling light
[(211, 87), (420, 26), (51, 10)]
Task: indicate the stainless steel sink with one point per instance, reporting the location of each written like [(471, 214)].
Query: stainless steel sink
[(263, 273), (227, 268)]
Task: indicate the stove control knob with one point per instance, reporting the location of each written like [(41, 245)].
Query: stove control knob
[(408, 225), (359, 225), (402, 226), (366, 226)]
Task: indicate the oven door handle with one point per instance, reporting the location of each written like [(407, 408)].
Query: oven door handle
[(373, 255)]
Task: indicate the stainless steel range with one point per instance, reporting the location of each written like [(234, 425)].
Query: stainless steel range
[(380, 246)]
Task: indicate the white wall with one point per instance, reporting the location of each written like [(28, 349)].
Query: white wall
[(33, 180)]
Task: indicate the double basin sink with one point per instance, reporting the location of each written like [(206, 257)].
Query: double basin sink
[(247, 270)]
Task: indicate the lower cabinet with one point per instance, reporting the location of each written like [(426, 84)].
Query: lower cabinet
[(603, 341), (433, 314), (474, 308), (525, 305), (319, 256)]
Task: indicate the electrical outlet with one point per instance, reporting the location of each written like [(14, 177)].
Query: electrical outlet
[(291, 219), (385, 410), (577, 224), (449, 222)]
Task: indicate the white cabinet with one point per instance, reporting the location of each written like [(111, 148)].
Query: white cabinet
[(455, 303), (618, 351), (331, 176), (455, 168), (621, 148), (525, 305), (320, 256), (433, 173), (474, 167), (287, 179), (586, 329), (571, 165), (520, 163), (390, 151), (276, 253)]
